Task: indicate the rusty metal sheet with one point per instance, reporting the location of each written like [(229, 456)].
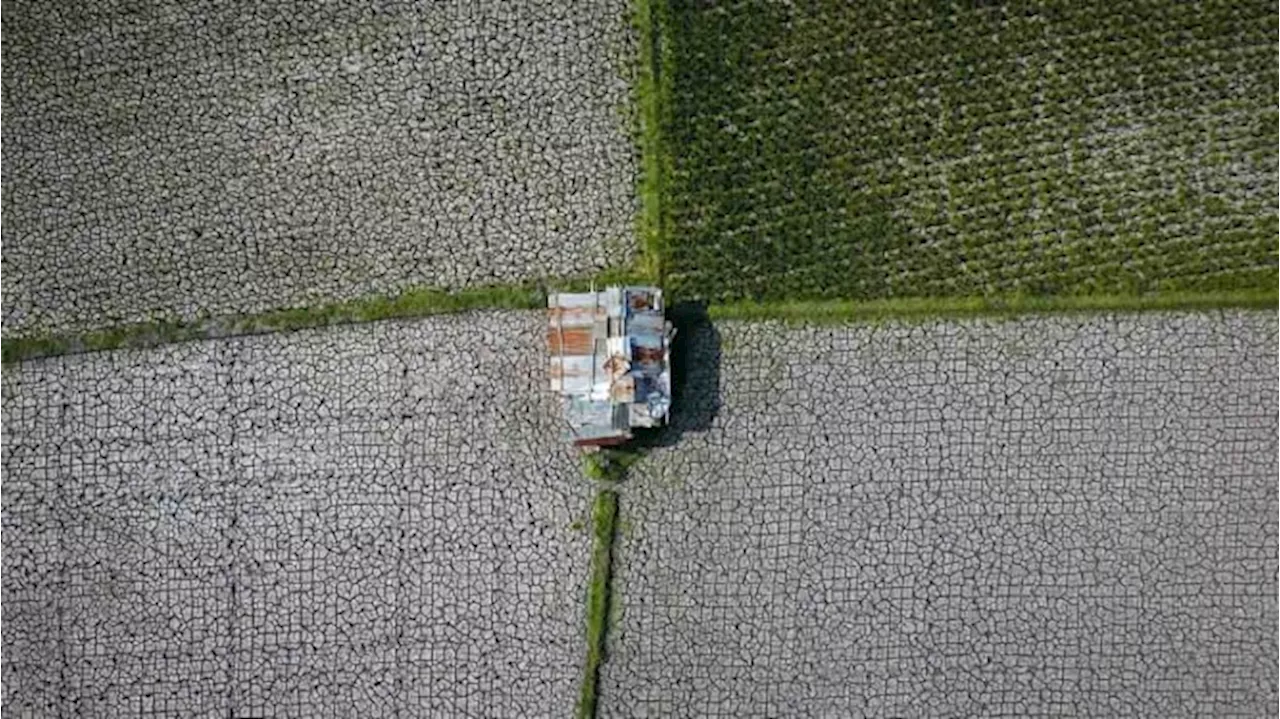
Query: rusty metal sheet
[(570, 341), (577, 316), (641, 299)]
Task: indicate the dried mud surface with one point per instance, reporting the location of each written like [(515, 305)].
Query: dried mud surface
[(375, 520), (1046, 517), (171, 158)]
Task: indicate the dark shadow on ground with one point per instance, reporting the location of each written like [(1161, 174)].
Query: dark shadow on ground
[(695, 377)]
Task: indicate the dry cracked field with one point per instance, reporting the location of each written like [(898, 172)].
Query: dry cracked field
[(372, 521), (1067, 514), (1033, 518), (1045, 517), (170, 159)]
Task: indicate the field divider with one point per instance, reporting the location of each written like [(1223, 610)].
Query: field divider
[(653, 98), (927, 308), (604, 520), (413, 303)]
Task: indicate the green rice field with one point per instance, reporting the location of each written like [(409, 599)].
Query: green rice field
[(903, 150)]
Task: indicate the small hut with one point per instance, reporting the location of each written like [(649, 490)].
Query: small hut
[(609, 362)]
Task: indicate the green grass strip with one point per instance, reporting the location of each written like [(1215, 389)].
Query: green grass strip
[(653, 97), (409, 304), (604, 519), (838, 311)]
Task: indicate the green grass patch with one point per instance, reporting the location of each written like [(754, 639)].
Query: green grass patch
[(412, 303), (609, 464), (870, 151), (604, 516), (838, 311)]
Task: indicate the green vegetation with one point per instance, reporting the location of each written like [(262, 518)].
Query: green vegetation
[(603, 519), (869, 151), (413, 303), (653, 98), (837, 311), (609, 464)]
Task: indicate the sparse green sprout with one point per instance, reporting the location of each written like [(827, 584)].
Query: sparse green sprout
[(609, 465), (596, 466)]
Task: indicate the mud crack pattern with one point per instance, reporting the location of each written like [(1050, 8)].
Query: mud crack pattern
[(1046, 517), (367, 521), (170, 158)]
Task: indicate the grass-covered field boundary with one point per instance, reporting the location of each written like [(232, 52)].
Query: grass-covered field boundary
[(838, 311), (604, 520), (421, 302), (653, 99)]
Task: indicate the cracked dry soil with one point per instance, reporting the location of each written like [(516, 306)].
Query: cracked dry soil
[(171, 158), (366, 521), (1056, 516)]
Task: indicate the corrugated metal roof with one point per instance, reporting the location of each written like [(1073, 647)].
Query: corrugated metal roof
[(609, 359)]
